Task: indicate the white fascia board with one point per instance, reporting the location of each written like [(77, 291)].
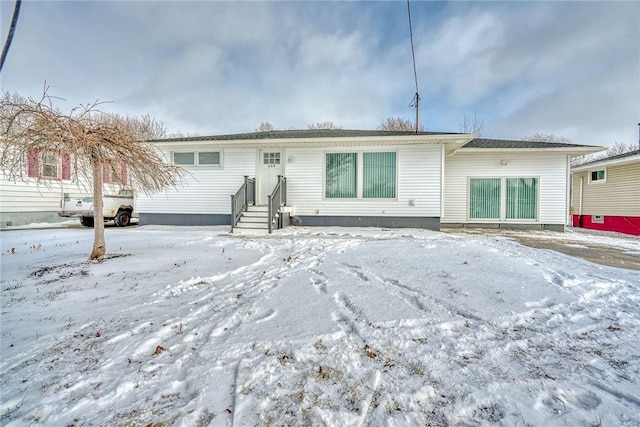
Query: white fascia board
[(605, 163), (450, 140)]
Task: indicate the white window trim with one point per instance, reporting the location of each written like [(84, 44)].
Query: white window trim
[(503, 201), (597, 181), (58, 175), (196, 159), (359, 175)]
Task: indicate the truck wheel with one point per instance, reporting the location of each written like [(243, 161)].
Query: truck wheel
[(87, 221), (123, 219)]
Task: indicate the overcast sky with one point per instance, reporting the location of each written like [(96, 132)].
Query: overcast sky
[(208, 67)]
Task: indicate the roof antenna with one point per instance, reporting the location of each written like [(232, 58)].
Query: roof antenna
[(415, 102)]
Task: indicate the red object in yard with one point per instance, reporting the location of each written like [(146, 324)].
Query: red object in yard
[(619, 224)]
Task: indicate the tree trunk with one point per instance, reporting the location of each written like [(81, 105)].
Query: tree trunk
[(99, 248)]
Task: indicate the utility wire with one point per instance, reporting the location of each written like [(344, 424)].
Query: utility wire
[(415, 102), (12, 29)]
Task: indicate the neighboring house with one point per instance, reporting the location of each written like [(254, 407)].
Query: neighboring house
[(49, 177), (605, 194), (369, 178)]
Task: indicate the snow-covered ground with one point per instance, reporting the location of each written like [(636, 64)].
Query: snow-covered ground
[(313, 326)]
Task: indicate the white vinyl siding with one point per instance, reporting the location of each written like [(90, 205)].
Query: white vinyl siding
[(25, 202), (550, 170), (618, 196), (417, 186), (205, 190)]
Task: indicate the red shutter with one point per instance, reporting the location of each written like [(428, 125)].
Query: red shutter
[(106, 173), (33, 163), (66, 166), (123, 174)]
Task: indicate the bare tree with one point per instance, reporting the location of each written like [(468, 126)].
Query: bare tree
[(471, 125), (265, 127), (618, 148), (180, 134), (547, 137), (398, 124), (91, 139), (323, 125), (614, 150)]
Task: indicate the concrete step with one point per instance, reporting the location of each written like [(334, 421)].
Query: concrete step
[(247, 224), (249, 231), (254, 216)]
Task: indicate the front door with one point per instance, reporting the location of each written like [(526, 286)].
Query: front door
[(270, 168)]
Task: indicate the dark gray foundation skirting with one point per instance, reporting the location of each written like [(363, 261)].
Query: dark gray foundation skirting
[(8, 219), (506, 226), (184, 219), (431, 223)]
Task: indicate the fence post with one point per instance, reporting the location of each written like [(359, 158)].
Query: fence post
[(279, 191), (270, 214), (233, 214)]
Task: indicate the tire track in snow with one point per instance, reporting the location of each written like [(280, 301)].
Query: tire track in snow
[(416, 298), (536, 339)]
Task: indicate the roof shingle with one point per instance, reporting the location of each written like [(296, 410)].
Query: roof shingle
[(504, 143), (302, 134)]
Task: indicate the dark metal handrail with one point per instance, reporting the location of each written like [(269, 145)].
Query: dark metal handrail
[(241, 200), (276, 200)]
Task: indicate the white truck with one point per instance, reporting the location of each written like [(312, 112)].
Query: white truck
[(119, 208)]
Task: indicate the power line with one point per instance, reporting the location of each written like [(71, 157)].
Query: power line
[(12, 29), (415, 102)]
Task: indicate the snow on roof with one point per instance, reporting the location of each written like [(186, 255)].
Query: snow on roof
[(619, 158)]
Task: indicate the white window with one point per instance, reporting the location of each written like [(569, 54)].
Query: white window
[(598, 175), (503, 198), (369, 175), (197, 158), (271, 158), (184, 159), (50, 164), (208, 158)]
